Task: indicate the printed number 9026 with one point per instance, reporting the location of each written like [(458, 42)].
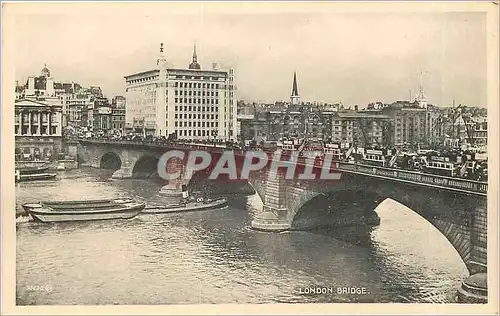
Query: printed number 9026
[(39, 288)]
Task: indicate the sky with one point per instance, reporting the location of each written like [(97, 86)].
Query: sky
[(350, 57)]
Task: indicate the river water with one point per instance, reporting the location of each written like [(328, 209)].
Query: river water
[(214, 257)]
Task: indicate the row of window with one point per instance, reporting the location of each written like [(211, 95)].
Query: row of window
[(200, 116), (190, 132), (440, 165), (195, 109), (143, 79), (196, 124), (197, 93), (197, 101), (374, 157), (44, 130), (197, 85)]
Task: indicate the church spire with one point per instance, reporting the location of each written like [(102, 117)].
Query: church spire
[(294, 98), (295, 90), (195, 58), (194, 64)]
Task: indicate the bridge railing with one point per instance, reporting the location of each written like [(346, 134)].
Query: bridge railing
[(418, 177)]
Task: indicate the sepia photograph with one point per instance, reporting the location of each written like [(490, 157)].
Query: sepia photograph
[(275, 154)]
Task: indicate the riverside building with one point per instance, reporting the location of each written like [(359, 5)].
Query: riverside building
[(194, 104)]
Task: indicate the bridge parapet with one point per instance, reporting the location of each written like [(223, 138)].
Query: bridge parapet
[(419, 178)]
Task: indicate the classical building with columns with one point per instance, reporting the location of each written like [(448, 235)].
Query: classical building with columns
[(74, 99), (37, 129), (193, 103)]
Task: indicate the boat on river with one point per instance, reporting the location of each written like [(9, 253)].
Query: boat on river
[(32, 173), (199, 204), (62, 211), (34, 176), (32, 169)]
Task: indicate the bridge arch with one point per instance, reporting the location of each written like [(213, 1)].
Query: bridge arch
[(199, 180), (334, 208), (110, 160), (146, 166), (450, 213)]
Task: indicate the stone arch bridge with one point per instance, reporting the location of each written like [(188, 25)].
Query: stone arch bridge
[(456, 207)]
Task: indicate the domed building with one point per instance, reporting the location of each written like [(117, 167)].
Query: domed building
[(45, 71)]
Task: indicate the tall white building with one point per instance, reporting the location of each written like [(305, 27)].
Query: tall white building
[(195, 104)]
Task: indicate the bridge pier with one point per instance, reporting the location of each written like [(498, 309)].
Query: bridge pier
[(173, 190), (274, 217), (126, 169), (474, 289), (271, 220)]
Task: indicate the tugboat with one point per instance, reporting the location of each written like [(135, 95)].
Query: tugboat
[(187, 204)]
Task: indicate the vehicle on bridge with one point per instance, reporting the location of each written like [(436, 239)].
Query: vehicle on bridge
[(378, 156), (448, 165), (338, 150)]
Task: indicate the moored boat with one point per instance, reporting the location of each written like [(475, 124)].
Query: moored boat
[(19, 177), (79, 204), (77, 211), (32, 170)]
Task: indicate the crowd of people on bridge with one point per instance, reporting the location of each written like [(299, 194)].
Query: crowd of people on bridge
[(403, 157)]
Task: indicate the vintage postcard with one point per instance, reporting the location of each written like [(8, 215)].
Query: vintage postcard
[(249, 158)]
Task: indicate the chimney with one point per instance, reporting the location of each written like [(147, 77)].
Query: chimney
[(356, 108)]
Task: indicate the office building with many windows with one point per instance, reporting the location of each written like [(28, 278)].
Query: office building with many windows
[(193, 103)]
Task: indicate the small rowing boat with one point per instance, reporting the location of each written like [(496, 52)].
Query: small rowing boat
[(61, 211)]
